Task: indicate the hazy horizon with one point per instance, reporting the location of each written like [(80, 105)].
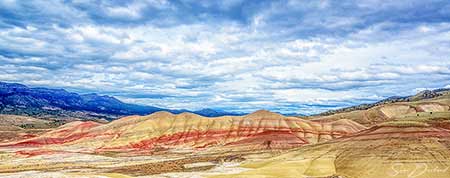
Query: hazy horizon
[(240, 56)]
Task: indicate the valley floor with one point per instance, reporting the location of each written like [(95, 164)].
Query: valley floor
[(185, 163)]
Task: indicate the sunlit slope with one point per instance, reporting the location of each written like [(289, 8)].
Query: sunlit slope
[(187, 130), (14, 127), (389, 112), (66, 133), (390, 150)]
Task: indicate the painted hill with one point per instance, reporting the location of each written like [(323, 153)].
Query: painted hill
[(434, 107), (388, 150), (404, 139), (66, 133), (13, 127), (423, 95), (401, 139), (261, 129)]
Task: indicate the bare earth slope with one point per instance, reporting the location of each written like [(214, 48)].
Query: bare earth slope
[(389, 112), (13, 127), (390, 150), (165, 130), (409, 139), (405, 139)]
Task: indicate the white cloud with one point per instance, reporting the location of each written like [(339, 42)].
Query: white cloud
[(130, 11), (319, 96), (8, 3), (269, 58)]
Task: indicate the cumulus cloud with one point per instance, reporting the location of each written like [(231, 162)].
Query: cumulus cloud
[(287, 56)]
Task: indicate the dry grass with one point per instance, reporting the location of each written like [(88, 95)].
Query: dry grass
[(403, 124), (172, 165)]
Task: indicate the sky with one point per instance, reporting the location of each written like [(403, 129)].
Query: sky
[(292, 56)]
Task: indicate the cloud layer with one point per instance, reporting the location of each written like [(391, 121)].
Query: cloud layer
[(286, 56)]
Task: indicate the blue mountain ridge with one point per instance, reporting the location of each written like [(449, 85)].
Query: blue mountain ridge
[(23, 100)]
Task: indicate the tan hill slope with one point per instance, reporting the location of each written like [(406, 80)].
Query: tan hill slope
[(14, 127), (389, 150), (405, 139), (421, 96), (261, 129), (388, 112)]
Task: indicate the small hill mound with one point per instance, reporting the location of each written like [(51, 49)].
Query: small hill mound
[(423, 96), (433, 107), (14, 127), (15, 120), (392, 111), (426, 94), (263, 114), (65, 133)]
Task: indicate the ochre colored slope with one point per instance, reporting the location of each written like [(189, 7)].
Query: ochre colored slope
[(16, 120), (14, 127), (66, 133), (389, 112), (162, 129), (388, 150)]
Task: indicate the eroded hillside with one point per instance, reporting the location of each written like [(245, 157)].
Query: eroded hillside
[(402, 139), (260, 129)]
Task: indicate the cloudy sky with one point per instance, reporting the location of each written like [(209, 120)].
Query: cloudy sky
[(287, 56)]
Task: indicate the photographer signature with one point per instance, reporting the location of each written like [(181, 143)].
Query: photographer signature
[(415, 171)]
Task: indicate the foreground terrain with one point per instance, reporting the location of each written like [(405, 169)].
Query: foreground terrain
[(399, 139)]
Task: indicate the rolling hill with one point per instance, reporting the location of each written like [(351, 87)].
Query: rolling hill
[(438, 105), (423, 95), (14, 127), (403, 139), (394, 139), (388, 150), (261, 129)]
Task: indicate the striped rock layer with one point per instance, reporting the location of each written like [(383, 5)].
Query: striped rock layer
[(261, 129)]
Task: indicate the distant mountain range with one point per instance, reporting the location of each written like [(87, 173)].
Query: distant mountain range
[(59, 104), (49, 103)]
